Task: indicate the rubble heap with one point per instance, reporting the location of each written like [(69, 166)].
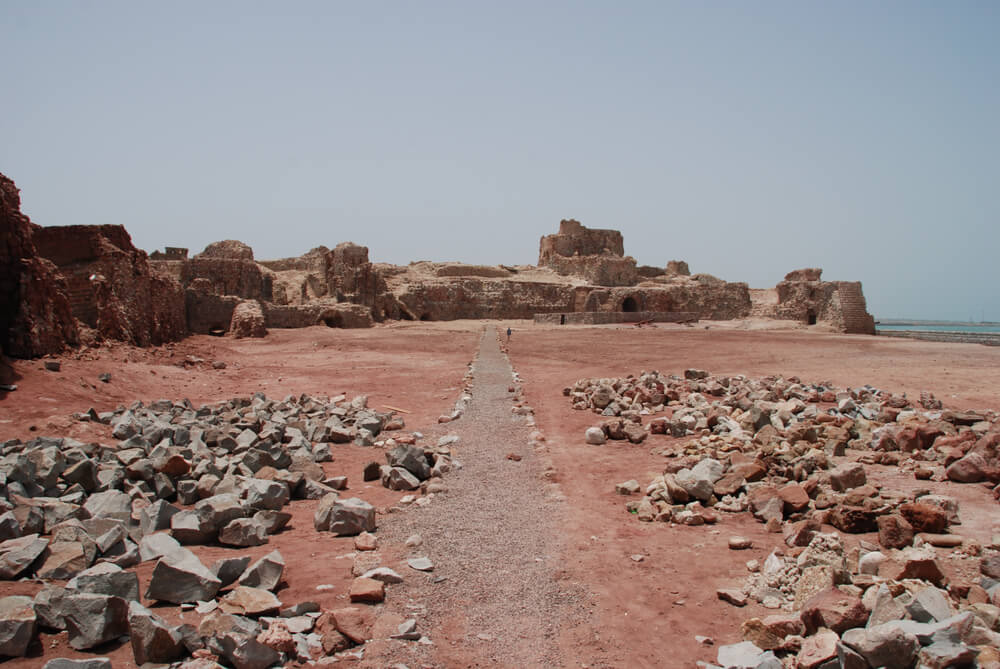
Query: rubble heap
[(80, 515), (768, 447)]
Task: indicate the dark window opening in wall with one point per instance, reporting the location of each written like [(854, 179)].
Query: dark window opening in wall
[(811, 317), (630, 305), (333, 321), (562, 319)]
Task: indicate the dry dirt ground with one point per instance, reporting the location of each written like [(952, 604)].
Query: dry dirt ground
[(587, 601)]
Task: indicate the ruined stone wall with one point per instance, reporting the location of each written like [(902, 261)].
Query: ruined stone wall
[(838, 304), (35, 316), (482, 298), (575, 239), (170, 253), (612, 317), (486, 271), (229, 276), (111, 286), (312, 261), (208, 312), (712, 301), (338, 315), (604, 270), (352, 278)]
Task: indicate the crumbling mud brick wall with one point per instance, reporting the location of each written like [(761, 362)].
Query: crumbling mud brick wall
[(230, 269), (111, 286), (35, 315)]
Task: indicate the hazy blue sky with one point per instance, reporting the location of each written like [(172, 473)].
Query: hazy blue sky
[(747, 138)]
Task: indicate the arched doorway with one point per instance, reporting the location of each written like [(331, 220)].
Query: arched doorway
[(333, 320), (630, 305), (811, 317)]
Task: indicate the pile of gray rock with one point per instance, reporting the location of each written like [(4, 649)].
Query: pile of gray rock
[(410, 467), (84, 513), (835, 610), (779, 415), (774, 447)]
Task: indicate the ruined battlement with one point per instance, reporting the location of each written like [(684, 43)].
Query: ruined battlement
[(170, 253), (573, 239)]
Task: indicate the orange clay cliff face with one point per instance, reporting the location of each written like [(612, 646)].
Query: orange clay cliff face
[(65, 284)]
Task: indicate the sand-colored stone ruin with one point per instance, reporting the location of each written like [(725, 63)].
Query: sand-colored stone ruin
[(66, 284)]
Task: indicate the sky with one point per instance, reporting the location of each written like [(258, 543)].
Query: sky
[(747, 138)]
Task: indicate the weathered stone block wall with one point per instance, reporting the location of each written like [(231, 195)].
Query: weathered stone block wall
[(722, 301), (207, 312), (170, 253), (575, 239), (854, 308), (486, 271), (342, 315), (475, 298), (229, 276), (839, 304), (312, 261), (611, 317), (35, 316), (605, 270), (111, 285)]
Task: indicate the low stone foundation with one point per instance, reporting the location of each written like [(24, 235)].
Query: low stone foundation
[(611, 317)]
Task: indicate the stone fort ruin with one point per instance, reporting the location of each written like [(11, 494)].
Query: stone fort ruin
[(64, 285)]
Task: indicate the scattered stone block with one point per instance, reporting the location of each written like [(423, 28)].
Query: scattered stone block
[(17, 625)]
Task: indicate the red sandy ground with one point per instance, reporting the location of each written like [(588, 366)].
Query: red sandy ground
[(648, 613), (645, 613)]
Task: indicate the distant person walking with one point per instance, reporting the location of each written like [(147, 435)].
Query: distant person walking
[(508, 335)]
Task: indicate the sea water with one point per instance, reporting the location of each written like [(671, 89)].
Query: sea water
[(941, 327)]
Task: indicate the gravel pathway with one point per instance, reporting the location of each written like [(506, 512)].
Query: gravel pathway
[(494, 598)]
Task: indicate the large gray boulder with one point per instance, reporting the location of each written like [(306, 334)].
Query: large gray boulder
[(94, 619), (155, 546), (110, 504), (151, 638), (156, 516), (221, 509), (699, 487), (344, 516), (265, 494), (49, 607), (16, 555), (886, 645), (229, 569), (245, 652), (401, 479), (17, 625), (265, 573), (107, 579), (411, 458), (243, 532), (192, 527), (63, 560), (9, 527), (181, 577)]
